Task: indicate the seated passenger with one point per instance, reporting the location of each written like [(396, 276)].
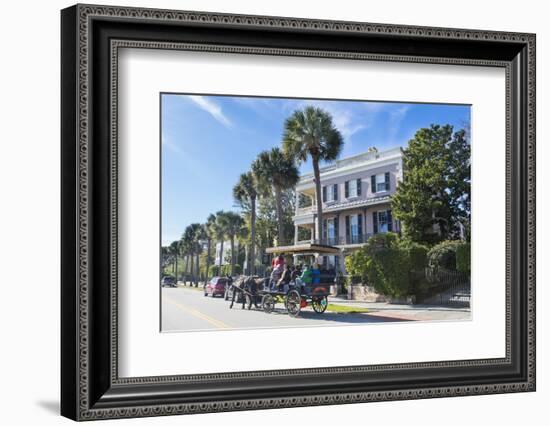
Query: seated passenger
[(316, 274), (285, 278), (306, 277)]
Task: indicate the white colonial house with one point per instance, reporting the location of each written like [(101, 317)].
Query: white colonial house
[(356, 202)]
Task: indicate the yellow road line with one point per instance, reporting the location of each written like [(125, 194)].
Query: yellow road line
[(216, 323)]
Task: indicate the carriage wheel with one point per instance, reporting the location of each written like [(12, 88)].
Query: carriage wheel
[(293, 303), (268, 303), (319, 304)]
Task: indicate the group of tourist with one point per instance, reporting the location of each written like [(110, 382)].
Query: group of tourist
[(284, 274)]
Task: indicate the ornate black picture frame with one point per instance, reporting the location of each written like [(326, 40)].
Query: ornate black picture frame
[(91, 37)]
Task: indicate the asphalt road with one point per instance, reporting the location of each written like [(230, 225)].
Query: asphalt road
[(185, 309)]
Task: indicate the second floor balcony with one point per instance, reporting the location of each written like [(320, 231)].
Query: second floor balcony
[(342, 240)]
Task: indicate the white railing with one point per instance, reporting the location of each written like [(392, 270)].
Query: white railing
[(304, 210)]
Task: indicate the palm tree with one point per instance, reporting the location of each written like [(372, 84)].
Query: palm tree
[(190, 242), (276, 171), (174, 251), (245, 193), (220, 232), (200, 236), (210, 234), (311, 133), (233, 225)]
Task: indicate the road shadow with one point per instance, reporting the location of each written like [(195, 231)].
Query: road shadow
[(347, 318)]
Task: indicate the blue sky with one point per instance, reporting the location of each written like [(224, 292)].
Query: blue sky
[(208, 141)]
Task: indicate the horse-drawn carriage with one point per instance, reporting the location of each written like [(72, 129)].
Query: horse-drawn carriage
[(264, 294)]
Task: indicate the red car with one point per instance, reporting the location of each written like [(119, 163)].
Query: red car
[(216, 286)]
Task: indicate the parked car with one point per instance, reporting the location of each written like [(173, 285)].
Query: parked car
[(216, 286), (168, 281)]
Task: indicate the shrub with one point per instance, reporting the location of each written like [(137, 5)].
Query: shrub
[(418, 255), (356, 267), (463, 258), (382, 263), (443, 255), (418, 260), (388, 271)]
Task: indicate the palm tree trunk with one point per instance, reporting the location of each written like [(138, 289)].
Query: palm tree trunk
[(252, 266), (186, 264), (278, 202), (176, 273), (191, 272), (221, 256), (317, 176), (198, 271), (232, 255), (208, 250)]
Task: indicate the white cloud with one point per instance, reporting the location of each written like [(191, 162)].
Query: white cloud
[(396, 117), (171, 146), (343, 118), (212, 108)]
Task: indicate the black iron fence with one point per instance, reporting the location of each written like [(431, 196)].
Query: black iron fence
[(450, 287)]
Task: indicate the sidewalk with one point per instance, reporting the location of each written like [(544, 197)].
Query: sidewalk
[(407, 312)]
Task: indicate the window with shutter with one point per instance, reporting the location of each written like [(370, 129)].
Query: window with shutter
[(324, 194), (346, 189), (358, 187), (352, 188), (373, 184), (360, 225), (387, 180), (347, 227), (331, 231), (384, 221), (381, 182), (335, 192), (375, 222), (390, 221)]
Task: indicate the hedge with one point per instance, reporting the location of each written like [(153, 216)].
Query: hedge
[(463, 258), (443, 255), (418, 255), (382, 263)]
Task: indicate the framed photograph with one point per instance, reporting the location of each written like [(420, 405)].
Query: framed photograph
[(266, 212)]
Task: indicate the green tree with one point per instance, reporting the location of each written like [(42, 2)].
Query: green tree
[(199, 238), (310, 133), (383, 263), (276, 172), (245, 193), (174, 250), (233, 225), (191, 243), (434, 197), (210, 235), (219, 230)]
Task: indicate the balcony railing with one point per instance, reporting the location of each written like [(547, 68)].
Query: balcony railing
[(344, 240), (304, 210)]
